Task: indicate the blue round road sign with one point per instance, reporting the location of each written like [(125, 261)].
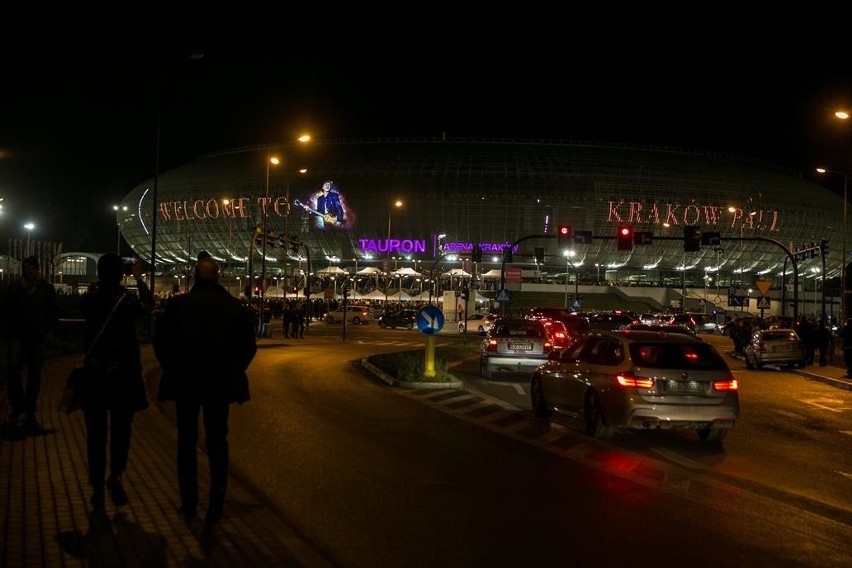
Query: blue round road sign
[(430, 320)]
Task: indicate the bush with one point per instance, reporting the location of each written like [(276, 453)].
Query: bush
[(410, 365)]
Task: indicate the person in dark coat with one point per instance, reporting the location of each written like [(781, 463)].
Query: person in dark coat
[(30, 312), (205, 341), (114, 389)]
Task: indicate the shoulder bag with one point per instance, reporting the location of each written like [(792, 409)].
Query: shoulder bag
[(70, 399)]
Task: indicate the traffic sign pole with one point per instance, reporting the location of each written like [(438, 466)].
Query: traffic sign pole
[(429, 371)]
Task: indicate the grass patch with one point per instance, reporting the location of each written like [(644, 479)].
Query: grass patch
[(410, 365)]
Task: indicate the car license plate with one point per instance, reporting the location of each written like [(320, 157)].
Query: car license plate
[(683, 386), (520, 346)]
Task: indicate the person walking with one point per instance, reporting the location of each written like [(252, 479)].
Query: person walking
[(205, 341), (845, 336), (30, 312), (114, 389)]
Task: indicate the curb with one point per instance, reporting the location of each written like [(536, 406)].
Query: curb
[(394, 382)]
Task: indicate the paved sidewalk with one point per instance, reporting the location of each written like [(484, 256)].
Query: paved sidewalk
[(44, 500)]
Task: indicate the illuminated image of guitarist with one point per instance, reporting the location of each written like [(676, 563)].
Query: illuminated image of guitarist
[(329, 209)]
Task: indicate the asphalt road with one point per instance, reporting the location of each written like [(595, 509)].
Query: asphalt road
[(379, 476)]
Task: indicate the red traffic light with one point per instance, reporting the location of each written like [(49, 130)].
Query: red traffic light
[(564, 230), (624, 238)]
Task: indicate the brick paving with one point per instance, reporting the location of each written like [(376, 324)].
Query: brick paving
[(44, 501)]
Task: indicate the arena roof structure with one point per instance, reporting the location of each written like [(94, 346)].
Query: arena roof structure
[(458, 194)]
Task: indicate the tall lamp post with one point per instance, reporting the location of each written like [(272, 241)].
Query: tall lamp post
[(398, 204), (117, 208), (843, 249), (29, 227)]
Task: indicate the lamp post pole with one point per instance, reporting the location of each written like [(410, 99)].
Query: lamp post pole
[(843, 238), (397, 203), (29, 227), (116, 208)]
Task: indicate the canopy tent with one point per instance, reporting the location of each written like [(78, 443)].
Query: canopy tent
[(405, 272), (353, 295), (369, 270), (374, 295), (480, 298), (493, 273), (331, 270), (457, 272), (424, 297), (400, 296), (299, 294)]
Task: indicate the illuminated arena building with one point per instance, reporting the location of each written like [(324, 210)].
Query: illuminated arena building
[(459, 194)]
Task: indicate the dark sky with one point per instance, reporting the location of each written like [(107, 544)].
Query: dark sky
[(79, 92)]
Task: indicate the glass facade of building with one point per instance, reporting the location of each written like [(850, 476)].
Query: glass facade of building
[(459, 193)]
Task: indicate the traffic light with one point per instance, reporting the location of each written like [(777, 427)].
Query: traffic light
[(464, 293), (563, 236), (476, 254), (625, 237), (539, 255), (691, 238), (823, 246)]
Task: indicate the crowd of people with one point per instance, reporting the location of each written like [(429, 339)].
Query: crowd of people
[(817, 337)]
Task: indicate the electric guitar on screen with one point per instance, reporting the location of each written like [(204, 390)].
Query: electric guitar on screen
[(327, 217)]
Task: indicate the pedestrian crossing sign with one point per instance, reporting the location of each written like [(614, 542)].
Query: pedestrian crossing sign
[(763, 303), (502, 295)]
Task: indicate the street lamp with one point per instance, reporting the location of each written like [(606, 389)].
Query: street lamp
[(116, 208), (29, 227), (398, 204), (843, 231), (568, 254)]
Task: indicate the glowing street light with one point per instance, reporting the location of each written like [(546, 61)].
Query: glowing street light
[(843, 232), (29, 227), (397, 204), (117, 208)]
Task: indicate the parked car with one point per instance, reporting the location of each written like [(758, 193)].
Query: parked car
[(774, 347), (610, 321), (517, 345), (659, 328), (479, 323), (352, 314), (399, 318), (639, 380)]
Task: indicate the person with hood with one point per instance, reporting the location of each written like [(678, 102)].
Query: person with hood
[(113, 389), (204, 341), (30, 312)]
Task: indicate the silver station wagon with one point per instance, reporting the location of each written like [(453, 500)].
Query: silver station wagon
[(516, 345), (639, 379)]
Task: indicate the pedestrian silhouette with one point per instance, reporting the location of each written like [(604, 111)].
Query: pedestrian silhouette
[(204, 341)]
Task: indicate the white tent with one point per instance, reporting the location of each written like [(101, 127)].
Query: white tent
[(399, 297), (374, 295), (424, 297), (457, 272), (299, 294), (405, 272), (331, 270), (493, 273), (369, 270), (480, 298)]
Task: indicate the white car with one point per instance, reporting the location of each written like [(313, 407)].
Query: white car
[(478, 323), (352, 314)]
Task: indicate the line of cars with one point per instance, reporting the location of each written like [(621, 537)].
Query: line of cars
[(615, 377)]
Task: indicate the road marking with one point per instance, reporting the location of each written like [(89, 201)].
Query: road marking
[(844, 474), (789, 414), (822, 402)]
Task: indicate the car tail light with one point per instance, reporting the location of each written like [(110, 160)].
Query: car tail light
[(729, 384), (491, 345), (548, 346), (631, 381)]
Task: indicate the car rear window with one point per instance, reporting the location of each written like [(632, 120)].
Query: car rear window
[(779, 335), (519, 330), (676, 356)]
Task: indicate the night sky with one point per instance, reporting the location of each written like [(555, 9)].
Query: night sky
[(79, 94)]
